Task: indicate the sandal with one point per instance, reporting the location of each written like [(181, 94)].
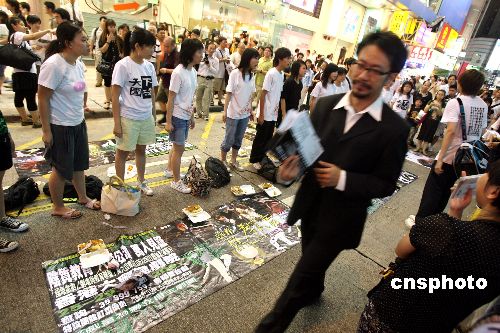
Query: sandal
[(107, 105), (70, 214), (91, 204)]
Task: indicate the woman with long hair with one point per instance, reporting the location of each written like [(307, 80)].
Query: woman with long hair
[(292, 88), (62, 96), (326, 86), (402, 99), (111, 47), (238, 106), (134, 79), (180, 111), (24, 83), (433, 113)]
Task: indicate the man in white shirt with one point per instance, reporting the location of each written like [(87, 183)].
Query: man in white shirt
[(452, 80), (209, 67), (348, 82), (94, 47), (236, 56), (222, 54), (75, 13)]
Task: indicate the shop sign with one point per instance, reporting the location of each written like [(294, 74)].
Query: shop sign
[(411, 27), (443, 37), (398, 22), (420, 54), (452, 38)]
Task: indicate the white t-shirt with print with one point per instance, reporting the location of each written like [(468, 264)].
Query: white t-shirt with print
[(320, 91), (183, 84), (402, 104), (137, 82), (68, 83), (240, 104), (476, 121), (273, 84), (17, 39)]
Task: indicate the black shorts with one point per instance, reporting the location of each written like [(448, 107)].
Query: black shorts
[(5, 152), (70, 149)]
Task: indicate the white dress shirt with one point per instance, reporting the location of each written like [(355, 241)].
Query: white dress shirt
[(78, 12), (352, 117), (211, 69)]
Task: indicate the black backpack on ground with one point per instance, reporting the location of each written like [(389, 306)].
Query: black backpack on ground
[(268, 169), (93, 185), (21, 193), (217, 172)]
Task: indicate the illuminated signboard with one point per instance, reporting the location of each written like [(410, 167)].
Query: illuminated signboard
[(443, 37), (398, 22)]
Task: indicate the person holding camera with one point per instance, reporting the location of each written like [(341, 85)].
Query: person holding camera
[(209, 67)]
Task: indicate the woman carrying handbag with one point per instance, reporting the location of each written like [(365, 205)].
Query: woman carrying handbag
[(111, 47)]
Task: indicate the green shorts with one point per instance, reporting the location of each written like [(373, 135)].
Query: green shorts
[(136, 132)]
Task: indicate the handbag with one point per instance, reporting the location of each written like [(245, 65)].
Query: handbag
[(197, 179), (119, 198), (17, 56), (105, 68), (471, 157)]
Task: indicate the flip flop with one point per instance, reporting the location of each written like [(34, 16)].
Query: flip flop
[(92, 204), (70, 214)]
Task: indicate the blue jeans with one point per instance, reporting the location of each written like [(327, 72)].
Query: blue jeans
[(180, 133), (235, 130)]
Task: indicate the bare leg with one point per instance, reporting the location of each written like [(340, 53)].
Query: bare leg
[(107, 92), (234, 155), (120, 160), (175, 166), (56, 187), (169, 164), (35, 116), (140, 162), (22, 113), (79, 184), (223, 156)]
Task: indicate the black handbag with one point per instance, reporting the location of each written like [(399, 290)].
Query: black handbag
[(105, 68), (17, 56), (472, 157)]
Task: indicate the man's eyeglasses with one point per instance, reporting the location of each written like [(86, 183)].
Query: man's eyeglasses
[(362, 67)]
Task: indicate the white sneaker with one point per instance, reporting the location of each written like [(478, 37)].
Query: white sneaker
[(170, 174), (257, 166), (146, 189), (410, 221), (180, 186), (237, 166)]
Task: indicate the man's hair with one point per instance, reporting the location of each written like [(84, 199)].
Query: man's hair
[(342, 71), (281, 54), (50, 5), (453, 86), (297, 50), (220, 39), (33, 19), (196, 32), (471, 82), (349, 61), (122, 26), (390, 44), (25, 5), (63, 13), (188, 49), (102, 18), (300, 54), (453, 76)]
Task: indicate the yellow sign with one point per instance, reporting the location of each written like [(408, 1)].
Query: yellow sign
[(398, 22), (452, 38), (411, 27)]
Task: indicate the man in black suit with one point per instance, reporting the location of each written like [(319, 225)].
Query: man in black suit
[(365, 147)]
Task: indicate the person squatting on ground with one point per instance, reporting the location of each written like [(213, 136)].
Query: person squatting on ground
[(62, 96), (238, 108), (134, 79)]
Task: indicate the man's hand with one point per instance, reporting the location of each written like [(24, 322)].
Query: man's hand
[(458, 204), (169, 127), (224, 116), (86, 109), (327, 174), (260, 120), (289, 169), (438, 168)]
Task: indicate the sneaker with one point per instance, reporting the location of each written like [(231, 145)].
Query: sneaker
[(180, 186), (146, 189), (37, 125), (410, 221), (7, 246), (170, 174), (12, 224), (257, 166), (237, 166)]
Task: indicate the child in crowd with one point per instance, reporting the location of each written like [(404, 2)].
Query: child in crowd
[(325, 87), (238, 106), (402, 100), (413, 120), (180, 113), (269, 105), (133, 82)]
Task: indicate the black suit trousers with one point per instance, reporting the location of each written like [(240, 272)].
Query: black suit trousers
[(307, 280)]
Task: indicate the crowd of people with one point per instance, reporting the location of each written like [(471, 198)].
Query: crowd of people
[(352, 105)]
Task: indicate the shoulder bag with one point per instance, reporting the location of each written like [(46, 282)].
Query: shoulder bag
[(17, 56)]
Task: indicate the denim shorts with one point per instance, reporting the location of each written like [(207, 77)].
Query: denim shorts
[(235, 130), (180, 133)]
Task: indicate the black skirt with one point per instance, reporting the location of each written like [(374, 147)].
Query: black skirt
[(428, 129)]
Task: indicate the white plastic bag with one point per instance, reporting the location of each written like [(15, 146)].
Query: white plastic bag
[(119, 198)]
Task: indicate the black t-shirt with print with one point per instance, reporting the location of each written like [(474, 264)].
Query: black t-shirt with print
[(444, 246), (291, 93)]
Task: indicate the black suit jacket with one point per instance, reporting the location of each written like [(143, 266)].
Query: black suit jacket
[(371, 152)]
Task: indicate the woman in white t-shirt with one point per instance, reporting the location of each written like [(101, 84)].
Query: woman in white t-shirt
[(180, 113), (238, 106), (62, 96), (132, 93), (25, 83), (403, 99), (39, 45), (326, 87), (4, 39)]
